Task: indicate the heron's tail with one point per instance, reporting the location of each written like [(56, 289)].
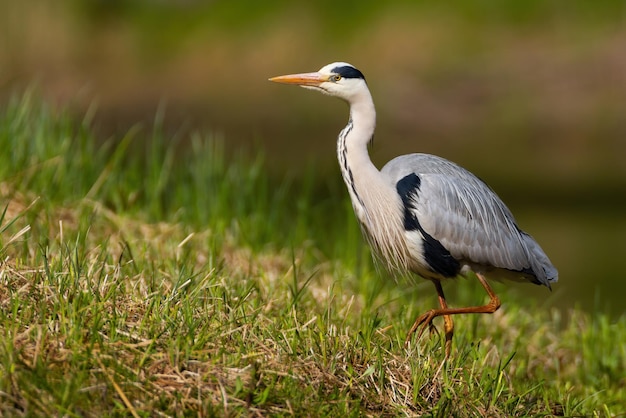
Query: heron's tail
[(544, 270)]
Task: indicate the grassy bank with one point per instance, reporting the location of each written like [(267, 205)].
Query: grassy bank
[(138, 280)]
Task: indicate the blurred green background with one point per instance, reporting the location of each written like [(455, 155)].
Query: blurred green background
[(529, 95)]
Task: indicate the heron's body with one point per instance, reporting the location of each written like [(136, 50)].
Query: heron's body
[(474, 228), (423, 213)]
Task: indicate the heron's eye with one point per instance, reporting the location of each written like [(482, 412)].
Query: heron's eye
[(335, 77)]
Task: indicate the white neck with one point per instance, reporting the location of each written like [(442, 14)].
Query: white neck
[(352, 154), (373, 197)]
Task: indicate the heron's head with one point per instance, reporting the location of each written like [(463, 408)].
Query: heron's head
[(338, 79)]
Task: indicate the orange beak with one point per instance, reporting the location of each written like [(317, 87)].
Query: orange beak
[(304, 79)]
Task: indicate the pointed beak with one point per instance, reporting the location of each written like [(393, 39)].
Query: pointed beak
[(304, 79)]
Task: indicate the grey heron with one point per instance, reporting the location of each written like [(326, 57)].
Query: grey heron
[(422, 213)]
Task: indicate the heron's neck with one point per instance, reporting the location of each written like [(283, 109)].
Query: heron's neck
[(363, 180), (352, 154), (373, 198), (360, 129)]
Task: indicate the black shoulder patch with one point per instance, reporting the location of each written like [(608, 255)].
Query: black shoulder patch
[(407, 188), (348, 71), (437, 257)]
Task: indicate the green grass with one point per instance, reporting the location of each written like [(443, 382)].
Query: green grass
[(138, 279)]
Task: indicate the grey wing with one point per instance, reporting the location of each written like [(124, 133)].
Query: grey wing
[(469, 220)]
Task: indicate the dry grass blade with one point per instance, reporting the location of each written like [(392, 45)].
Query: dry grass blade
[(118, 389)]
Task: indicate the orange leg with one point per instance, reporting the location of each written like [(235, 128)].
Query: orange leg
[(426, 319)]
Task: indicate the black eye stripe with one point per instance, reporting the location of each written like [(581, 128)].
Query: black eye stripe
[(348, 72)]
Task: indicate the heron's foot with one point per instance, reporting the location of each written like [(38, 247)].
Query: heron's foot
[(421, 323)]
